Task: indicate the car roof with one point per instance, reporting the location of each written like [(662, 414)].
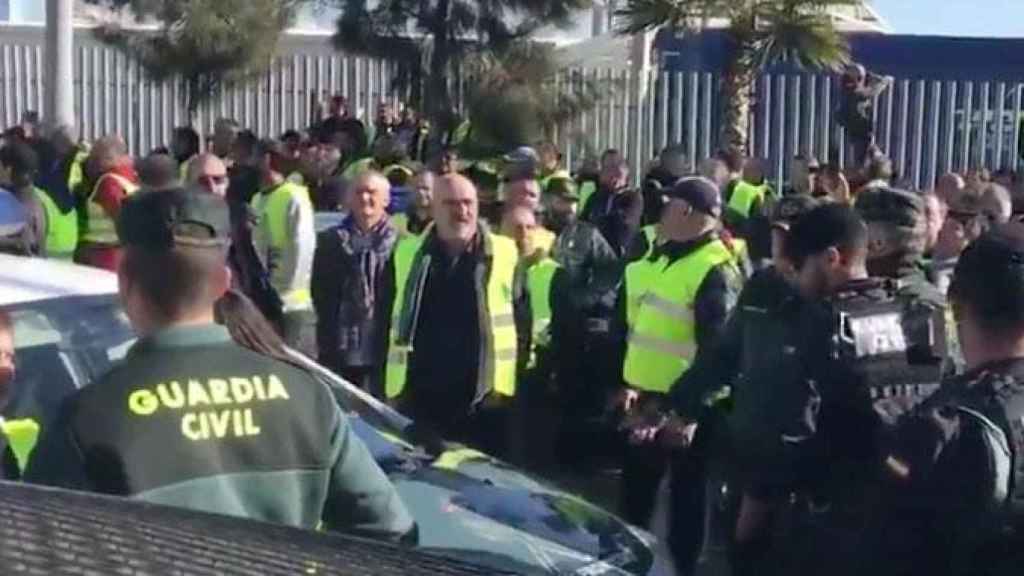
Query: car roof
[(28, 279)]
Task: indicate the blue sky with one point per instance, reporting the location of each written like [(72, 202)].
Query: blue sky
[(954, 17)]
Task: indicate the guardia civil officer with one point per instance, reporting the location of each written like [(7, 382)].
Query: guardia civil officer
[(810, 441), (955, 465), (191, 419), (745, 359)]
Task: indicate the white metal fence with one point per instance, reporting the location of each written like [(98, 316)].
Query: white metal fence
[(927, 127)]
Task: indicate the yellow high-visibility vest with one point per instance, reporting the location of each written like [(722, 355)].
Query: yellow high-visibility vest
[(538, 284), (61, 229), (271, 209), (662, 337), (100, 228), (744, 195), (22, 436), (500, 365)]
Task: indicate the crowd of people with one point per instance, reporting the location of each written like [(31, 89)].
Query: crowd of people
[(701, 329)]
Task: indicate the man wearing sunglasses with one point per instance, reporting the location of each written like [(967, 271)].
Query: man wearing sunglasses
[(209, 172)]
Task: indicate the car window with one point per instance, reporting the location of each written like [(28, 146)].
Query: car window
[(62, 344)]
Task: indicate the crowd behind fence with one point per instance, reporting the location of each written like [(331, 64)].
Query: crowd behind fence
[(927, 127)]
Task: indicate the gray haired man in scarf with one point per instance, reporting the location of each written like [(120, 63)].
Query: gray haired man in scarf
[(349, 278)]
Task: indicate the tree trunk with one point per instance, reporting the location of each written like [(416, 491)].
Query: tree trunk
[(437, 98), (737, 85)]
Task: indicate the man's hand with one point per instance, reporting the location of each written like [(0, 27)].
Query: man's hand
[(677, 433), (624, 400)]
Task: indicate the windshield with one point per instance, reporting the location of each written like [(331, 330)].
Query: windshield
[(63, 344)]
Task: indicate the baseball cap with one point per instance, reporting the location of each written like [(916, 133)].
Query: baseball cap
[(523, 162), (698, 192), (563, 188), (789, 209), (891, 206), (179, 217)]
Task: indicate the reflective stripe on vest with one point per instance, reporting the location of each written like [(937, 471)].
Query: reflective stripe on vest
[(662, 339), (586, 191), (501, 356), (271, 209), (21, 437), (61, 228), (76, 172), (744, 195), (100, 228)]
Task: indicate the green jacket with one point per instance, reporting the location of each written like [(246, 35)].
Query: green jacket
[(190, 419)]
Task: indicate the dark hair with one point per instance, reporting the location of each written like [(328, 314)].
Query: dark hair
[(827, 226), (158, 171), (249, 328), (190, 137), (20, 158), (291, 135), (174, 282), (609, 153), (989, 280)]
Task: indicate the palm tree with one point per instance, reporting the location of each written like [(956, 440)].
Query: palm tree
[(763, 32), (513, 98)]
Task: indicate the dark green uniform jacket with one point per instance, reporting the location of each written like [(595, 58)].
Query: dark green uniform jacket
[(191, 419)]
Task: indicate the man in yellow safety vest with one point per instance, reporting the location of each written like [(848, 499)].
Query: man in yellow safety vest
[(285, 241), (674, 302), (453, 335), (18, 437)]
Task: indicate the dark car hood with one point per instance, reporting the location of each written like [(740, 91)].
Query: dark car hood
[(486, 505)]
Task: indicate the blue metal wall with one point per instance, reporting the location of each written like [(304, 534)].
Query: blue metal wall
[(956, 102)]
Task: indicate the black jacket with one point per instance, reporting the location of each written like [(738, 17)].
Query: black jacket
[(344, 336), (617, 215)]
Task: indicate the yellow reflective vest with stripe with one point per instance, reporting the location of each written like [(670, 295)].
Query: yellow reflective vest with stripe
[(100, 228), (660, 296), (499, 370), (21, 437), (538, 284), (271, 210), (744, 196), (76, 172), (61, 229)]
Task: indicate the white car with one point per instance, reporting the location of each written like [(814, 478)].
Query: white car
[(70, 328)]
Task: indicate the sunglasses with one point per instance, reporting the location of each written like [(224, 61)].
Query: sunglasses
[(213, 180)]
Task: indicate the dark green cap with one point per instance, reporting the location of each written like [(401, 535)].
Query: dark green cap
[(563, 188), (161, 220), (891, 206)]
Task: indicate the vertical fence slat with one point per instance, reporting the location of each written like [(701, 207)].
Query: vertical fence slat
[(1000, 133), (779, 153), (982, 155), (709, 84), (918, 132), (935, 114), (967, 125), (663, 133), (693, 94), (764, 106), (949, 128), (1015, 141)]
